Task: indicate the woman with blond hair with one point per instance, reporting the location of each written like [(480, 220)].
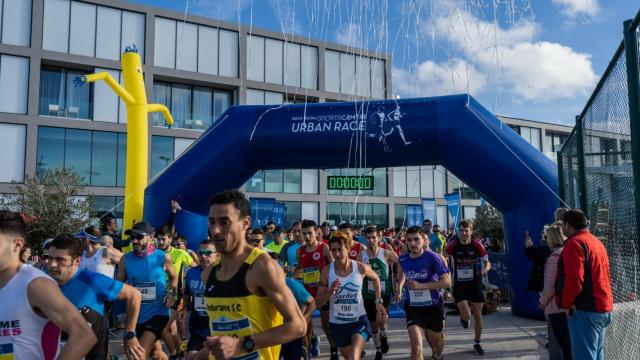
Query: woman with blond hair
[(558, 328)]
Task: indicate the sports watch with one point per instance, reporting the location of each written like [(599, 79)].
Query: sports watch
[(129, 335), (379, 301), (248, 344)]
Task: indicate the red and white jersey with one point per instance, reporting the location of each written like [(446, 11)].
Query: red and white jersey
[(312, 263), (355, 250)]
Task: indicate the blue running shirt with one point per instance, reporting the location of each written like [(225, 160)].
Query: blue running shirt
[(91, 289)]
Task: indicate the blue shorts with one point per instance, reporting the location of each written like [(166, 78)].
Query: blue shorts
[(342, 333)]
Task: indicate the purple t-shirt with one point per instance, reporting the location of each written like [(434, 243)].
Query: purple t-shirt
[(426, 268)]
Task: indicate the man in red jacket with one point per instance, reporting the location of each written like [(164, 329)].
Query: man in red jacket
[(584, 287)]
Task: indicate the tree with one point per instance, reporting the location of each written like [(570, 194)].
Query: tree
[(51, 205), (488, 224)]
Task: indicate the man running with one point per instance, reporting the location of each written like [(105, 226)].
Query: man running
[(194, 298), (151, 272), (425, 275), (33, 307), (251, 311), (89, 291), (379, 259), (182, 262), (436, 241), (467, 279), (98, 258), (295, 350), (278, 241), (354, 248), (341, 285), (289, 252), (312, 258)]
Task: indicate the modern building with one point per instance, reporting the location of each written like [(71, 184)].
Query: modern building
[(198, 67)]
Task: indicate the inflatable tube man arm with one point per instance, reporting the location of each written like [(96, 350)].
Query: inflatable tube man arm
[(161, 109), (122, 93)]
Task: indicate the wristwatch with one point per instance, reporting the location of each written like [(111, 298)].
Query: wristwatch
[(248, 344), (129, 335), (379, 301)]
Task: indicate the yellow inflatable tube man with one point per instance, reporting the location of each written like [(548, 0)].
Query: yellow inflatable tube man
[(135, 98)]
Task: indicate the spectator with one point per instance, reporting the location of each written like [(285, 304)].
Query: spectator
[(538, 255), (109, 227), (557, 328), (584, 287)]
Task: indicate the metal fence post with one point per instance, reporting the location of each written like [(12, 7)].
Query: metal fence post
[(561, 184), (633, 83), (582, 173)]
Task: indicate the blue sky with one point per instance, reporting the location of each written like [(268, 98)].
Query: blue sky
[(532, 59)]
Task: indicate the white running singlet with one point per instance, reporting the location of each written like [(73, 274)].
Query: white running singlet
[(346, 304), (25, 335), (97, 263)]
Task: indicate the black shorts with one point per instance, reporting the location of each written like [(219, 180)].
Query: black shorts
[(291, 350), (427, 317), (195, 342), (154, 325), (342, 333), (473, 293), (370, 307), (325, 307)]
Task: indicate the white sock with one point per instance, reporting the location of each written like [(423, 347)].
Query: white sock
[(383, 332)]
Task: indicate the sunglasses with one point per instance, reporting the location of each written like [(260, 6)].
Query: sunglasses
[(138, 236), (255, 241), (205, 252)]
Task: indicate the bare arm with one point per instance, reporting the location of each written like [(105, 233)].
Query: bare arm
[(324, 292), (171, 273), (122, 272), (399, 274), (308, 308), (369, 273), (45, 297), (132, 297), (113, 255), (444, 282)]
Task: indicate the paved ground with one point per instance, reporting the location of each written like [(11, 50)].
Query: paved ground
[(505, 337)]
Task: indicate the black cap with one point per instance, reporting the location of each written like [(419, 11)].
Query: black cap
[(139, 228)]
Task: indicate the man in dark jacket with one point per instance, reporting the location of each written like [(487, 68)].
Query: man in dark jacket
[(584, 287)]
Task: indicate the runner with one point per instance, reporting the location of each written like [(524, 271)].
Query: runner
[(194, 298), (425, 275), (295, 350), (98, 258), (278, 241), (341, 284), (246, 295), (89, 292), (467, 285), (353, 247), (33, 307), (181, 261), (312, 258), (151, 272), (289, 252), (379, 260)]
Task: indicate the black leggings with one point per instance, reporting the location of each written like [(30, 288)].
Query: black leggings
[(560, 329)]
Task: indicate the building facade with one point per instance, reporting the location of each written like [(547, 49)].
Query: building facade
[(198, 67)]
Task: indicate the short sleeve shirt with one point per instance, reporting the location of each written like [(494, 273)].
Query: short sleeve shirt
[(180, 260), (92, 290), (299, 292)]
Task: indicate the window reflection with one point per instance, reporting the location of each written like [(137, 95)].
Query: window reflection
[(60, 97)]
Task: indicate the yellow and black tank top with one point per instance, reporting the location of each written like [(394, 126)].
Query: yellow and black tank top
[(234, 311)]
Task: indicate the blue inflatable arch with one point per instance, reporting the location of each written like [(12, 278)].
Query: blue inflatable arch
[(454, 131)]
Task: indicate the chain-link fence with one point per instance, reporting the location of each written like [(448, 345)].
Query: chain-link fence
[(599, 174)]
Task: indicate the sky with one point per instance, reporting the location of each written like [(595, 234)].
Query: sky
[(530, 59)]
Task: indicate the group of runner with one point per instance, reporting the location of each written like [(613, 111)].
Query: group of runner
[(240, 303)]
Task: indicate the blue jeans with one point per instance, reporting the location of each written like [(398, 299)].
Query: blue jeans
[(587, 331)]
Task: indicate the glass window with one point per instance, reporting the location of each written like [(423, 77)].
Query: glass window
[(105, 101), (380, 182), (413, 181), (77, 154), (161, 153), (440, 183), (104, 155), (133, 31), (426, 181), (77, 98), (181, 146), (380, 215), (273, 180), (229, 57), (112, 204), (273, 61), (187, 48), (469, 212), (309, 181), (292, 181), (378, 79), (255, 58), (122, 159), (294, 212), (83, 29), (165, 43), (255, 97), (180, 105), (442, 218), (399, 181), (50, 149), (363, 76), (16, 22), (59, 96), (55, 27), (347, 74), (331, 76), (535, 138), (202, 108), (292, 64), (399, 217), (161, 95), (309, 65), (255, 183), (221, 102), (309, 211), (13, 139), (108, 33), (208, 50), (14, 84), (273, 98), (334, 216)]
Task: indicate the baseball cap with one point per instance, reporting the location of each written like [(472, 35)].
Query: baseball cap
[(85, 235), (334, 228), (139, 228)]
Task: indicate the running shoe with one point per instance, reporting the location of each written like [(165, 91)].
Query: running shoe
[(334, 355), (465, 323), (314, 349), (378, 355), (384, 344), (478, 349)]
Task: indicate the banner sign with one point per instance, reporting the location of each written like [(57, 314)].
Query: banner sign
[(414, 215), (453, 204), (261, 211), (429, 210)]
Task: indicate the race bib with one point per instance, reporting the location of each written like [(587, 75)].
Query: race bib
[(311, 276), (147, 291), (420, 298), (346, 312), (238, 328), (465, 273), (199, 304), (372, 289), (6, 352)]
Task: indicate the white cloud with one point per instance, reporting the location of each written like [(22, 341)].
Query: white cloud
[(575, 8), (509, 59), (349, 35), (285, 13), (220, 9)]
